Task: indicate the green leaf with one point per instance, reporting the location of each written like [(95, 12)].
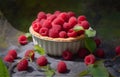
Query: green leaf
[(39, 49), (98, 69), (78, 28), (3, 69), (90, 44), (28, 35), (90, 33), (83, 73)]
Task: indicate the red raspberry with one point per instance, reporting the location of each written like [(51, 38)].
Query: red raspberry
[(8, 58), (67, 26), (13, 53), (51, 18), (62, 34), (71, 14), (82, 52), (58, 21), (61, 67), (42, 21), (47, 24), (57, 13), (57, 27), (41, 15), (90, 59), (42, 61), (53, 33), (48, 14), (67, 55), (81, 18), (85, 24), (80, 32), (30, 54), (22, 40), (64, 16), (97, 41), (22, 65), (100, 53), (73, 21), (36, 26), (44, 31), (71, 33), (117, 50)]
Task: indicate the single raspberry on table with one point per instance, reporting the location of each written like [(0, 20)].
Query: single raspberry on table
[(22, 65), (41, 15), (100, 53), (47, 24), (62, 34), (44, 31), (85, 24), (90, 59), (36, 26), (82, 52), (8, 58), (71, 33), (67, 55), (42, 61), (97, 41), (72, 21), (13, 53), (54, 33), (22, 40), (30, 54), (117, 50), (61, 67)]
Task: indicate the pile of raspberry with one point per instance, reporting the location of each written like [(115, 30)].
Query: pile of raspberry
[(59, 24)]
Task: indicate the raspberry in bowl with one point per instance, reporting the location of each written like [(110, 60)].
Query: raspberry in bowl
[(55, 32)]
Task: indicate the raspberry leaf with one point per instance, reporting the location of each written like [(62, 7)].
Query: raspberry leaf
[(83, 73), (90, 44), (90, 33), (3, 69), (29, 36), (39, 49), (78, 28)]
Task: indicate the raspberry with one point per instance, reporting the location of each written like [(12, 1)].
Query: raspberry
[(97, 41), (61, 67), (62, 34), (13, 53), (36, 26), (64, 16), (8, 58), (57, 13), (41, 15), (30, 54), (42, 61), (22, 65), (73, 21), (48, 14), (71, 14), (44, 31), (71, 33), (67, 26), (58, 21), (22, 40), (67, 55), (53, 33), (80, 32), (42, 21), (47, 24), (100, 53), (82, 52), (117, 50), (81, 18), (51, 18), (57, 27), (90, 59), (85, 24)]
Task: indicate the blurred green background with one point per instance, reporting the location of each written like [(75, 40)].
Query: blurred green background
[(104, 15)]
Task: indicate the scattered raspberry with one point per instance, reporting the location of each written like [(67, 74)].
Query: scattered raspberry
[(13, 53), (71, 33), (53, 33), (80, 32), (85, 24), (36, 26), (117, 50), (22, 65), (58, 21), (41, 15), (71, 14), (90, 59), (30, 54), (22, 40), (67, 26), (81, 18), (67, 55), (42, 61), (64, 16), (97, 41), (82, 52), (47, 24), (73, 21), (62, 34), (61, 67), (44, 31), (8, 58), (100, 53)]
